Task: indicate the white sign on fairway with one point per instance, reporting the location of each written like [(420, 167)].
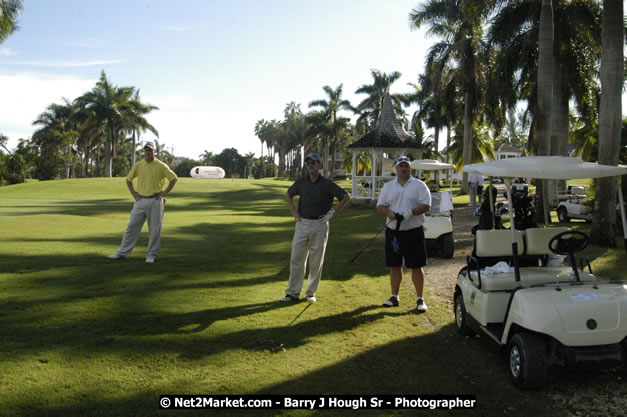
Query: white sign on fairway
[(207, 172)]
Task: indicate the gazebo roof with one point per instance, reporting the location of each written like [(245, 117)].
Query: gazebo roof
[(387, 133), (506, 147)]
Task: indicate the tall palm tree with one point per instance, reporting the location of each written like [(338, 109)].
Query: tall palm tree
[(56, 135), (108, 104), (520, 31), (460, 25), (135, 122), (295, 128), (370, 107), (331, 106), (612, 80), (259, 132), (9, 10)]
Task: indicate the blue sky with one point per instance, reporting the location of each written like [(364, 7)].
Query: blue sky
[(213, 67)]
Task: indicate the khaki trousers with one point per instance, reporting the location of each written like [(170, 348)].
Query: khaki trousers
[(144, 209), (310, 242)]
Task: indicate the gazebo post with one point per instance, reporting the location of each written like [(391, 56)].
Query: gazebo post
[(354, 188), (373, 172)]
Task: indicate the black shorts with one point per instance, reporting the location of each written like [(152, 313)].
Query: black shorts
[(411, 245)]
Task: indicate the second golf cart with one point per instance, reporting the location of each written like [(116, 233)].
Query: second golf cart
[(438, 220)]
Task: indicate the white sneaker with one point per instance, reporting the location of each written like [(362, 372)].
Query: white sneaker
[(150, 259), (114, 256), (311, 299), (421, 305)]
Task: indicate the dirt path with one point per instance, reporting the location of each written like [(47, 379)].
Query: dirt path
[(442, 273)]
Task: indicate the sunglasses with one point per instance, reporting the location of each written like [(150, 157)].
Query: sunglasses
[(311, 162)]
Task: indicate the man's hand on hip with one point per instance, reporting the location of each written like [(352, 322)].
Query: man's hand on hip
[(327, 216)]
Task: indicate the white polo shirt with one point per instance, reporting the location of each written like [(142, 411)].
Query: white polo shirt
[(400, 198)]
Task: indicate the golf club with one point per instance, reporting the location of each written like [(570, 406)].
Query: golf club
[(375, 236)]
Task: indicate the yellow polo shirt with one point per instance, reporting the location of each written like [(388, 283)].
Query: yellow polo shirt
[(150, 176)]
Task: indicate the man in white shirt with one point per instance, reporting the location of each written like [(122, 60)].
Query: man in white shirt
[(404, 201)]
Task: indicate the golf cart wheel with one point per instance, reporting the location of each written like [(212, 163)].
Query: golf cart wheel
[(447, 246), (461, 317), (562, 215), (527, 361)]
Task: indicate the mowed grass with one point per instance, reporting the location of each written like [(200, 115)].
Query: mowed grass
[(82, 335)]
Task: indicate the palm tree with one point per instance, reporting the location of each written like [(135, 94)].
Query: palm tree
[(108, 104), (3, 142), (331, 106), (370, 107), (517, 31), (136, 123), (483, 147), (207, 157), (259, 132), (612, 79), (9, 10), (295, 129), (57, 134), (460, 25)]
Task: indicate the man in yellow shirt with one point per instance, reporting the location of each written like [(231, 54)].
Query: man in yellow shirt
[(151, 174)]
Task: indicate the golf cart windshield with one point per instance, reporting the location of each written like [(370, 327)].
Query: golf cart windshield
[(441, 202)]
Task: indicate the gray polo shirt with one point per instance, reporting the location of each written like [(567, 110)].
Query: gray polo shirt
[(316, 198)]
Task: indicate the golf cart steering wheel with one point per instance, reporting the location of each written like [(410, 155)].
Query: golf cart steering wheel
[(569, 242)]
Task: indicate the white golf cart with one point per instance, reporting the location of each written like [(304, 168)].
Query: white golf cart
[(515, 290), (571, 205), (438, 220)]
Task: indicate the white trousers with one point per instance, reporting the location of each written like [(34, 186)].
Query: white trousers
[(310, 242), (472, 190), (144, 209)]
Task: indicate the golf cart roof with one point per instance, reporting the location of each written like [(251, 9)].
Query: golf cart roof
[(545, 167), (430, 165)]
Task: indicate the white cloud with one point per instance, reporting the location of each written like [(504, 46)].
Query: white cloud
[(7, 52), (26, 95), (191, 126)]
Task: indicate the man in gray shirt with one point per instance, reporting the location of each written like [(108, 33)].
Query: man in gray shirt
[(312, 226)]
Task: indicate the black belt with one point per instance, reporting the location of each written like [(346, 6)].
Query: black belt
[(152, 196), (311, 218)]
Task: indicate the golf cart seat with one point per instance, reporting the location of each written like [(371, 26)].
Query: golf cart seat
[(498, 244)]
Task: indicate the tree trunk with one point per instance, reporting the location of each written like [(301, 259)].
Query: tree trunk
[(333, 152), (612, 73), (545, 96), (448, 152), (133, 149), (108, 154), (467, 151), (260, 173)]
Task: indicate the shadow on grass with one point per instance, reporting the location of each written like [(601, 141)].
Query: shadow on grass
[(435, 363)]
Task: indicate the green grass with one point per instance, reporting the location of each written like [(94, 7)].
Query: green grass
[(86, 336)]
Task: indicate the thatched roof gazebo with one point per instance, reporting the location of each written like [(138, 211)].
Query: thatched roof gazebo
[(387, 137)]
